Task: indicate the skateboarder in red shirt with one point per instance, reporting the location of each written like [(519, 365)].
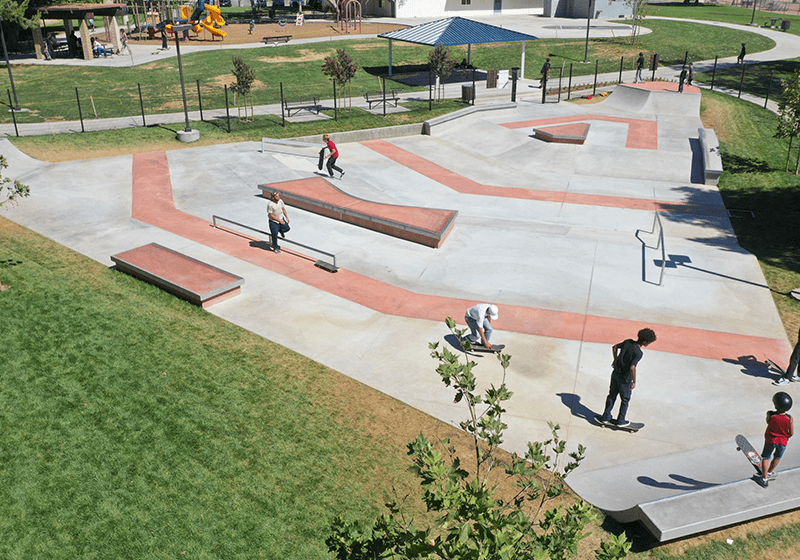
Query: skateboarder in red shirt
[(780, 427)]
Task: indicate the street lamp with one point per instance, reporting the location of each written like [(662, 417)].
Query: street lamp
[(8, 65), (186, 135), (588, 21)]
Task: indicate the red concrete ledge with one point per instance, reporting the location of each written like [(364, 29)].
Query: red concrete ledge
[(183, 276), (563, 134), (426, 226)]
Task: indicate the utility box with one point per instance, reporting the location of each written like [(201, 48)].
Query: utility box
[(491, 79), (786, 24)]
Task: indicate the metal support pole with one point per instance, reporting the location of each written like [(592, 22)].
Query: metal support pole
[(383, 92), (569, 83), (80, 113), (474, 92), (596, 64), (228, 107), (13, 114), (335, 106), (621, 62), (430, 90), (283, 113), (769, 87), (714, 72), (183, 85), (141, 103), (200, 102), (560, 75), (16, 106)]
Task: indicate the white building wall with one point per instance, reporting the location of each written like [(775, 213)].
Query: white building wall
[(450, 8)]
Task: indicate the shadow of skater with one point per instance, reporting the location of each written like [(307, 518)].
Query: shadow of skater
[(686, 483), (752, 366), (573, 403)]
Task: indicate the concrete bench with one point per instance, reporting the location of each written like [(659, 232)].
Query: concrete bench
[(426, 226), (375, 98), (712, 157), (303, 103), (277, 39), (183, 276), (574, 133)]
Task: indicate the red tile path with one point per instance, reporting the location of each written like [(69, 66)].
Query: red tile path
[(641, 134), (153, 204), (461, 184)]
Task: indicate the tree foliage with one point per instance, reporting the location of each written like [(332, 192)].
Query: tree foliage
[(637, 16), (441, 65), (10, 190), (245, 76), (789, 113), (470, 520), (14, 11), (340, 68)]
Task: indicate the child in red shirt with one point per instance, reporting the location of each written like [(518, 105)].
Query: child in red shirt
[(780, 427)]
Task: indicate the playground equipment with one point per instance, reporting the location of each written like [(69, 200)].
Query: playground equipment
[(348, 14), (151, 17)]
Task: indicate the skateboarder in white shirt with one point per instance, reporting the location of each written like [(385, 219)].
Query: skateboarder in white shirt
[(479, 320)]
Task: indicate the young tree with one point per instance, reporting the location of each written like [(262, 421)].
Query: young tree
[(341, 68), (789, 113), (441, 65), (637, 15), (471, 521), (245, 75)]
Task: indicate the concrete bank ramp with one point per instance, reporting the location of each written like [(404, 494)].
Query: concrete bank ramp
[(653, 98), (690, 492)]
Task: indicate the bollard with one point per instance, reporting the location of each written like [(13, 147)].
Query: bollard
[(714, 73), (141, 103)]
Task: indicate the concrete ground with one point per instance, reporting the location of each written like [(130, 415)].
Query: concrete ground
[(558, 236)]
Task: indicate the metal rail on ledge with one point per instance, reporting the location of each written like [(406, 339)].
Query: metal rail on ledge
[(330, 267)]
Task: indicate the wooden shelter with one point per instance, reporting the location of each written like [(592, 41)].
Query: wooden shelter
[(84, 13)]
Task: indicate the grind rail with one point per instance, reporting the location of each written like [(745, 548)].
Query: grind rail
[(329, 266)]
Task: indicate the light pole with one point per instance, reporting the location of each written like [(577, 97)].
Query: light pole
[(588, 21), (8, 65), (186, 135)]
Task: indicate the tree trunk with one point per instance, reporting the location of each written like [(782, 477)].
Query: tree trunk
[(789, 152)]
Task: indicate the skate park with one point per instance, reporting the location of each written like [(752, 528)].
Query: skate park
[(563, 238)]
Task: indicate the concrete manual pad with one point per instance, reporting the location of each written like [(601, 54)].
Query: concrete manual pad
[(574, 266)]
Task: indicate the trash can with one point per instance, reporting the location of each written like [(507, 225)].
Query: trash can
[(786, 24), (467, 92), (491, 79)]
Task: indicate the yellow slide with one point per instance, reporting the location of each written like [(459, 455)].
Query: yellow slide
[(214, 17)]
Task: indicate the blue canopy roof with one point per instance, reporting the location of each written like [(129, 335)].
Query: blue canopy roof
[(455, 31)]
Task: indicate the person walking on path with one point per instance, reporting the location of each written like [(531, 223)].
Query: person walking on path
[(780, 427), (333, 155), (278, 220), (690, 75), (742, 53), (682, 79), (639, 68), (479, 320), (791, 371), (545, 73), (627, 355)]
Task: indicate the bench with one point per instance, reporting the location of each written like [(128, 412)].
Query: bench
[(377, 98), (712, 157), (181, 275), (301, 103), (277, 39)]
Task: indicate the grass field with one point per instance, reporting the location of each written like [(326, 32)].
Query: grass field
[(50, 91), (713, 12)]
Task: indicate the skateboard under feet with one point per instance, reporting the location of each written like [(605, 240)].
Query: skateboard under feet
[(631, 427)]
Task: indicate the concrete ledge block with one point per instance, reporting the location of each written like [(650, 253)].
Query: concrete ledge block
[(712, 157), (181, 275)]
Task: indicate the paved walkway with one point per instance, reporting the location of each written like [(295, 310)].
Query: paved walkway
[(573, 268)]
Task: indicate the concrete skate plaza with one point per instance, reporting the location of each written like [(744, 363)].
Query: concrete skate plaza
[(557, 235)]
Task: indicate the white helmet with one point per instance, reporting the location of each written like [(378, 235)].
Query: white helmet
[(493, 312)]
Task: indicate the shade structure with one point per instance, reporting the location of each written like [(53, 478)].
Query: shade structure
[(456, 31)]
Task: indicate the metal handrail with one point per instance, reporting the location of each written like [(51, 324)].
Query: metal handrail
[(322, 264), (657, 221)]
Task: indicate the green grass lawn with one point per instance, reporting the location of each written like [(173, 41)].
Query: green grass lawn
[(50, 91), (136, 425), (761, 79), (712, 12)]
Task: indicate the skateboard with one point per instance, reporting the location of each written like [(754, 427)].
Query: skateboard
[(632, 427), (772, 364), (321, 158), (752, 455), (482, 348)]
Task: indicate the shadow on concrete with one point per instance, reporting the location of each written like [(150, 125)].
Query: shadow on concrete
[(698, 169), (683, 483), (674, 261), (578, 409), (752, 366)]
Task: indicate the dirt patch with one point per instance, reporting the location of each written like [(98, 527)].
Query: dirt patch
[(303, 54), (239, 33)]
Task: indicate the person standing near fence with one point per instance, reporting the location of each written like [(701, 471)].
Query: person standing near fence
[(639, 68), (333, 155), (682, 79), (690, 75), (545, 73)]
